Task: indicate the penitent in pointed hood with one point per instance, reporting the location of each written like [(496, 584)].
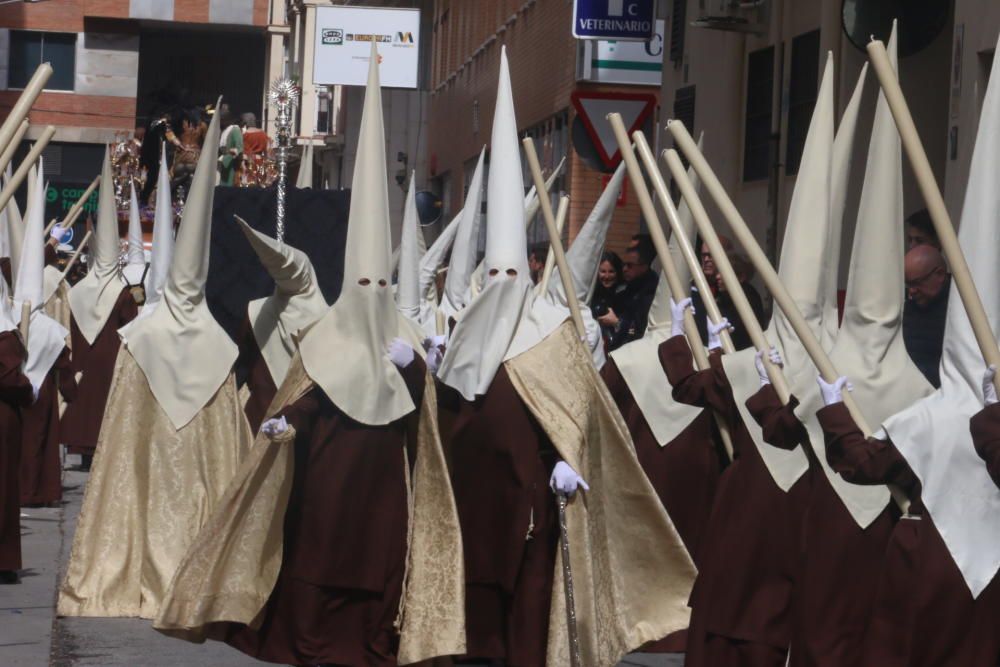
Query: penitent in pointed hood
[(933, 434), (639, 361), (463, 252), (359, 378), (46, 337), (296, 304), (488, 325), (182, 350), (93, 299), (162, 253), (135, 266), (408, 273)]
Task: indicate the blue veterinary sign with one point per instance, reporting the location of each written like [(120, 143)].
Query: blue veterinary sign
[(614, 19)]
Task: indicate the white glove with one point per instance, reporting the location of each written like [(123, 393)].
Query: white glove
[(565, 480), (433, 359), (833, 393), (989, 389), (677, 316), (400, 353), (57, 232), (272, 428), (436, 341), (758, 361), (714, 342)]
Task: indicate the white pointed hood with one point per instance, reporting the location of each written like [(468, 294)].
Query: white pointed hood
[(584, 255), (463, 252), (135, 256), (486, 331), (162, 252), (639, 361), (360, 379), (408, 273), (296, 304), (803, 269), (15, 234), (93, 299), (934, 434), (305, 177), (46, 337), (184, 353), (432, 260)]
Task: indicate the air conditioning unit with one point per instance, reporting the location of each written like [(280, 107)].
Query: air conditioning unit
[(748, 16)]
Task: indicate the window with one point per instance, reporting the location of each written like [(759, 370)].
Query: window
[(802, 89), (29, 49), (684, 107), (677, 28), (757, 132)]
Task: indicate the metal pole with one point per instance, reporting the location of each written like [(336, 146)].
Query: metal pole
[(284, 95), (575, 659)]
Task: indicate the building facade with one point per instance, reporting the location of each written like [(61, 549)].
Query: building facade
[(115, 60), (751, 71)]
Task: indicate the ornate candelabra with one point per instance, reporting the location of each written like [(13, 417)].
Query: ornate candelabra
[(284, 95)]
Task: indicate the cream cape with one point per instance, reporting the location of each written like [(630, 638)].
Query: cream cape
[(15, 234), (934, 434), (230, 570), (151, 489), (807, 270), (631, 573), (184, 353), (639, 361), (297, 301), (93, 299)]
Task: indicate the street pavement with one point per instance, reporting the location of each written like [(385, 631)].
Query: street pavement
[(31, 635)]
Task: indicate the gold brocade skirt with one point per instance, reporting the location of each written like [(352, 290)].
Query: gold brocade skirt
[(151, 489)]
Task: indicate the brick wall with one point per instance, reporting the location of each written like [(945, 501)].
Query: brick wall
[(467, 38)]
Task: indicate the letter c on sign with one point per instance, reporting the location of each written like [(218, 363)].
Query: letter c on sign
[(633, 9)]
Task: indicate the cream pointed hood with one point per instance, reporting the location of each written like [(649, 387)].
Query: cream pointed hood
[(305, 177), (296, 304), (183, 352), (488, 326), (358, 377), (804, 269), (93, 299), (408, 273), (463, 253), (135, 256), (162, 252), (15, 235), (432, 260), (869, 346), (933, 435), (46, 337)]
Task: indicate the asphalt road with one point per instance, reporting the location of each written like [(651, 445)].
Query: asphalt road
[(31, 636)]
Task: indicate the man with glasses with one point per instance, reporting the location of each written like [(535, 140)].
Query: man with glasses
[(927, 285), (640, 288)]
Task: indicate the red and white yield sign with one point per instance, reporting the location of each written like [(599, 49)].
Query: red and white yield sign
[(594, 107)]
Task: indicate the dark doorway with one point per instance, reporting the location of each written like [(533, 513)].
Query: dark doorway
[(194, 67)]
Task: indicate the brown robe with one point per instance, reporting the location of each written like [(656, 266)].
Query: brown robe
[(684, 472), (345, 540), (924, 614), (741, 602), (252, 370), (41, 468), (81, 422), (840, 568), (15, 392), (501, 461)]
